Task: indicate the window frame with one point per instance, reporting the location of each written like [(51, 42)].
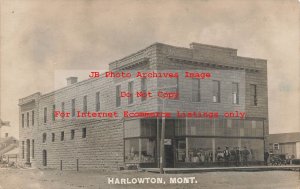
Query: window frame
[(236, 98), (73, 105), (130, 91), (217, 92), (118, 96), (84, 108)]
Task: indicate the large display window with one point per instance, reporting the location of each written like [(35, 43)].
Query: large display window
[(140, 150), (210, 150)]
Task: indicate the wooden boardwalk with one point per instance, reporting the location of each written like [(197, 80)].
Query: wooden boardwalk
[(216, 169)]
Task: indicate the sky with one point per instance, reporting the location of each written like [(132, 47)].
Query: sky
[(41, 38)]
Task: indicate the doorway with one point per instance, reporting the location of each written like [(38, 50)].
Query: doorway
[(169, 156)]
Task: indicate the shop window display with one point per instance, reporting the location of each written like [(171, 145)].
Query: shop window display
[(140, 150)]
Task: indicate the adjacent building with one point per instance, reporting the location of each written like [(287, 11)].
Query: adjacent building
[(236, 91), (287, 144)]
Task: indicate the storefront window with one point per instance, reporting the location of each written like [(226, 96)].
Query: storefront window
[(132, 151), (200, 150), (140, 150), (209, 150), (147, 150), (255, 147)]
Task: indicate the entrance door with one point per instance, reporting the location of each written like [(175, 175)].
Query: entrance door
[(169, 156)]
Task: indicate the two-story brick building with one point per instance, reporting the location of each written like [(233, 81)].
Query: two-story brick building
[(237, 86)]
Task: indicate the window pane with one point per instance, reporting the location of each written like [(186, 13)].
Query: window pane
[(235, 93), (140, 150), (45, 115), (132, 150), (200, 150), (148, 150), (216, 91)]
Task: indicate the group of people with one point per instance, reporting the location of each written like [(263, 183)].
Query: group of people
[(224, 157), (234, 156)]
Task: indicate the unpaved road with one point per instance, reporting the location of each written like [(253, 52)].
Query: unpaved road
[(53, 179)]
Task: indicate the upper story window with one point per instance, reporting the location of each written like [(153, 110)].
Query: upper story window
[(53, 111), (53, 137), (216, 91), (72, 134), (63, 108), (27, 119), (83, 132), (97, 101), (73, 107), (62, 136), (177, 88), (235, 93), (118, 95), (130, 91), (45, 115), (23, 120), (44, 137), (253, 94), (84, 104), (196, 90), (32, 118), (144, 88)]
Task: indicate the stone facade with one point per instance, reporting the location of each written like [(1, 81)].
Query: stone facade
[(103, 145)]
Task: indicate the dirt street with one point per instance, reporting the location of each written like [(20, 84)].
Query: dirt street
[(53, 179)]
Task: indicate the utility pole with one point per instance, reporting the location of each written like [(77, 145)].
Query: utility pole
[(162, 143), (162, 138)]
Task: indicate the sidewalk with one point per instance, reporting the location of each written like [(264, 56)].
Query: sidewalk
[(217, 169)]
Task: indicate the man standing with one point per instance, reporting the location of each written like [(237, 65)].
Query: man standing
[(245, 156), (226, 156), (266, 157), (232, 156)]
